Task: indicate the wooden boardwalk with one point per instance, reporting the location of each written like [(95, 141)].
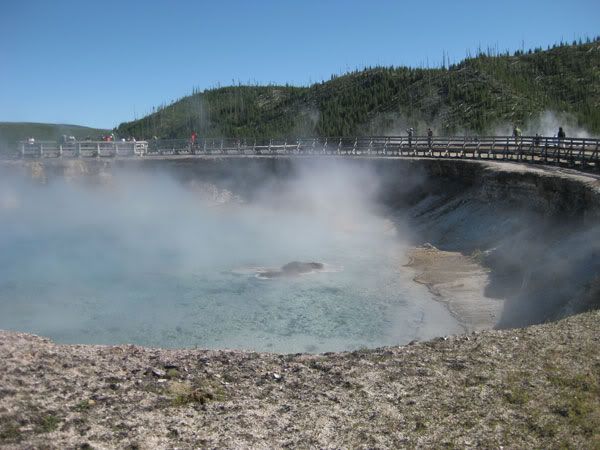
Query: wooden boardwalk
[(583, 154)]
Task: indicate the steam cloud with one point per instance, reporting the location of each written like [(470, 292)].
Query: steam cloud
[(144, 257), (547, 124)]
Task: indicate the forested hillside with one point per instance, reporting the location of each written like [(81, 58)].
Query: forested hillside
[(476, 95)]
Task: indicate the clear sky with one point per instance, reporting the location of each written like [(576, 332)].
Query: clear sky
[(102, 63)]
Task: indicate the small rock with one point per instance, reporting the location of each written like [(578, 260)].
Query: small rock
[(159, 373), (277, 377)]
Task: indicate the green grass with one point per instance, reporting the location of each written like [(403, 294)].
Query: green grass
[(84, 405), (578, 401), (517, 392), (173, 373), (184, 393), (12, 132), (9, 430), (559, 405), (48, 423)]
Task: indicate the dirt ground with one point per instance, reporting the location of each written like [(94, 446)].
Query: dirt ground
[(537, 387)]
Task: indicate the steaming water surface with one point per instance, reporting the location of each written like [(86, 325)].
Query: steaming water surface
[(150, 261)]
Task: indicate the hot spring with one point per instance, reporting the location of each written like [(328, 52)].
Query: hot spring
[(284, 254), (159, 259)]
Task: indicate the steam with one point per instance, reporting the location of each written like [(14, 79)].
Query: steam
[(149, 258), (169, 258), (305, 122), (197, 224), (547, 124)]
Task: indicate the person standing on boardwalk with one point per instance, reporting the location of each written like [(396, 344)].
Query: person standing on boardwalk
[(193, 140), (517, 134), (410, 132), (561, 136), (429, 137)]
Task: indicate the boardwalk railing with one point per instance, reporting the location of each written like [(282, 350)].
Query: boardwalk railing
[(84, 149), (580, 153)]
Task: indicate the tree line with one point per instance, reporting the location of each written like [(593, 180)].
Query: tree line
[(472, 96)]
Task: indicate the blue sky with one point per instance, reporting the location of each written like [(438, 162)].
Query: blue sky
[(102, 63)]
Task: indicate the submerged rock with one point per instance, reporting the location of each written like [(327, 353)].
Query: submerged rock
[(293, 269), (301, 267)]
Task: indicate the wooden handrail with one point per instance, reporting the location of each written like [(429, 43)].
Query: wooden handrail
[(574, 152)]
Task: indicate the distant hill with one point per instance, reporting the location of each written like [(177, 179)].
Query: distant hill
[(11, 132), (477, 95)]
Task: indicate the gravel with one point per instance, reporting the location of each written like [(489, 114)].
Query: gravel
[(532, 387)]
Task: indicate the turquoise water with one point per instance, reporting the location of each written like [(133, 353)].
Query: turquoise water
[(157, 263)]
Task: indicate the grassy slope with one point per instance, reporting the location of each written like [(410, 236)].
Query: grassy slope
[(11, 132), (475, 95)]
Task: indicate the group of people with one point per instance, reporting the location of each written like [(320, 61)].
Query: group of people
[(517, 135), (537, 139), (411, 133), (64, 139)]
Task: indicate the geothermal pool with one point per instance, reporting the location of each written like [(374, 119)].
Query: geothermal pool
[(152, 260)]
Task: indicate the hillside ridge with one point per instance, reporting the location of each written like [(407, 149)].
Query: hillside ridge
[(481, 94)]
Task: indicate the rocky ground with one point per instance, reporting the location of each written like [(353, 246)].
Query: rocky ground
[(523, 388)]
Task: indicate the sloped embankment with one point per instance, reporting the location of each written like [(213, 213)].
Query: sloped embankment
[(536, 230)]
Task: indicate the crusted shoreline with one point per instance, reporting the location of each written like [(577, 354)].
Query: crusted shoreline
[(458, 282), (532, 387)]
